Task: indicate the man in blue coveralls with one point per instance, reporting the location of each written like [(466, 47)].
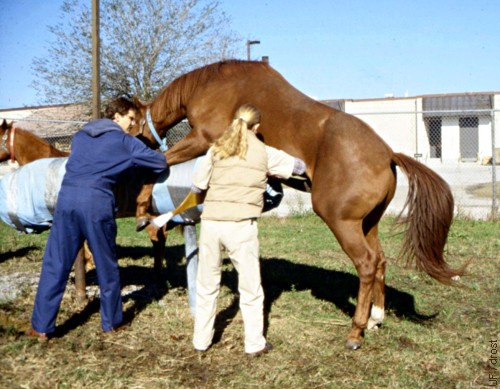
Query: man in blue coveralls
[(100, 152)]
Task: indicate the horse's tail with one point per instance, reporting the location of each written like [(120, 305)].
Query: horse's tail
[(430, 213)]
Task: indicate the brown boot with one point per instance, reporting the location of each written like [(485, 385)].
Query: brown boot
[(119, 328), (32, 333)]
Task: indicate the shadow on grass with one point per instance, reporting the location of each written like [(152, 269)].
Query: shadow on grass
[(154, 286), (278, 276), (23, 252), (340, 288)]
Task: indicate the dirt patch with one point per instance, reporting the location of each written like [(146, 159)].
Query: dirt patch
[(483, 190), (14, 284)]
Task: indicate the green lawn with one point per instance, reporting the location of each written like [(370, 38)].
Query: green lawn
[(434, 336)]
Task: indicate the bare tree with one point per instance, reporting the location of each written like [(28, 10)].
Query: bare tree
[(145, 44)]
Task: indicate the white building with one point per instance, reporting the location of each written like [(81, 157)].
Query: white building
[(447, 128)]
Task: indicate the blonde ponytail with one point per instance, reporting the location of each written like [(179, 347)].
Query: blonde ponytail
[(234, 141)]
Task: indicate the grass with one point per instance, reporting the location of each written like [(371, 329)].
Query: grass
[(434, 336)]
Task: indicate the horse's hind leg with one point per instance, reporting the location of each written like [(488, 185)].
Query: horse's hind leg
[(350, 235), (377, 313)]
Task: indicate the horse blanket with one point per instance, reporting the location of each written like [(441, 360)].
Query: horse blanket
[(28, 195)]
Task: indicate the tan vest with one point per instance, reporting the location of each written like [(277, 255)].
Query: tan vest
[(237, 185)]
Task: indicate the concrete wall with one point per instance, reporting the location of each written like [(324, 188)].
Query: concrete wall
[(400, 122), (390, 119)]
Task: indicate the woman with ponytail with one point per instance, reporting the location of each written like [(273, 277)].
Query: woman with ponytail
[(234, 175)]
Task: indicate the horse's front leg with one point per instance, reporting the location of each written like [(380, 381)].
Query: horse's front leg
[(158, 239), (191, 146), (143, 203)]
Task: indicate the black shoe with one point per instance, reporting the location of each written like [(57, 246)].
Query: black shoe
[(268, 347)]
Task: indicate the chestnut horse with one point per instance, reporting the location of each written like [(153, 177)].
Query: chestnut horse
[(23, 146), (351, 170)]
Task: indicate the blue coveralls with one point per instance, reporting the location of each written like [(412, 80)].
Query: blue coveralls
[(85, 209)]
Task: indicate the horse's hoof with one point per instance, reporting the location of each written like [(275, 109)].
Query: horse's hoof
[(141, 223), (353, 344), (373, 325)]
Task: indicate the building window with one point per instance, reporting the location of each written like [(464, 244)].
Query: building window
[(434, 134), (469, 121), (469, 138)]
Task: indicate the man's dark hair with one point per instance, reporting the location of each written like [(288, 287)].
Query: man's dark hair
[(121, 105)]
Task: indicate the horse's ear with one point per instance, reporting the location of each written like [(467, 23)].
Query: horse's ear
[(6, 125)]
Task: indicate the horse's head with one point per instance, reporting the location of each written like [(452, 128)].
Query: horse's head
[(140, 115), (144, 129), (141, 128), (4, 145)]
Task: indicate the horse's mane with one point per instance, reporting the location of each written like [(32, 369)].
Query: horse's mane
[(179, 90)]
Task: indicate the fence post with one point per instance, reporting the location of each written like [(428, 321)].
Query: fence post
[(417, 154), (96, 62), (494, 210)]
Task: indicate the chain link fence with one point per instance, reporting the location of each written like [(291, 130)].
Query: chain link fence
[(62, 139), (458, 145)]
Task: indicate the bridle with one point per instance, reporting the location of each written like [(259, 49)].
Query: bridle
[(162, 143), (3, 145)]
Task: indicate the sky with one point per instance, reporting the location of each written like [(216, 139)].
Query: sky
[(328, 49)]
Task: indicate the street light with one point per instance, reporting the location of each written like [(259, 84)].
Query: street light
[(249, 43)]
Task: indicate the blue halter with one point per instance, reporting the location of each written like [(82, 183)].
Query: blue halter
[(162, 143)]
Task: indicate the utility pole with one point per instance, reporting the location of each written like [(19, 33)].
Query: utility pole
[(96, 47)]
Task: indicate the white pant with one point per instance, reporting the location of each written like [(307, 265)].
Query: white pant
[(241, 242)]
